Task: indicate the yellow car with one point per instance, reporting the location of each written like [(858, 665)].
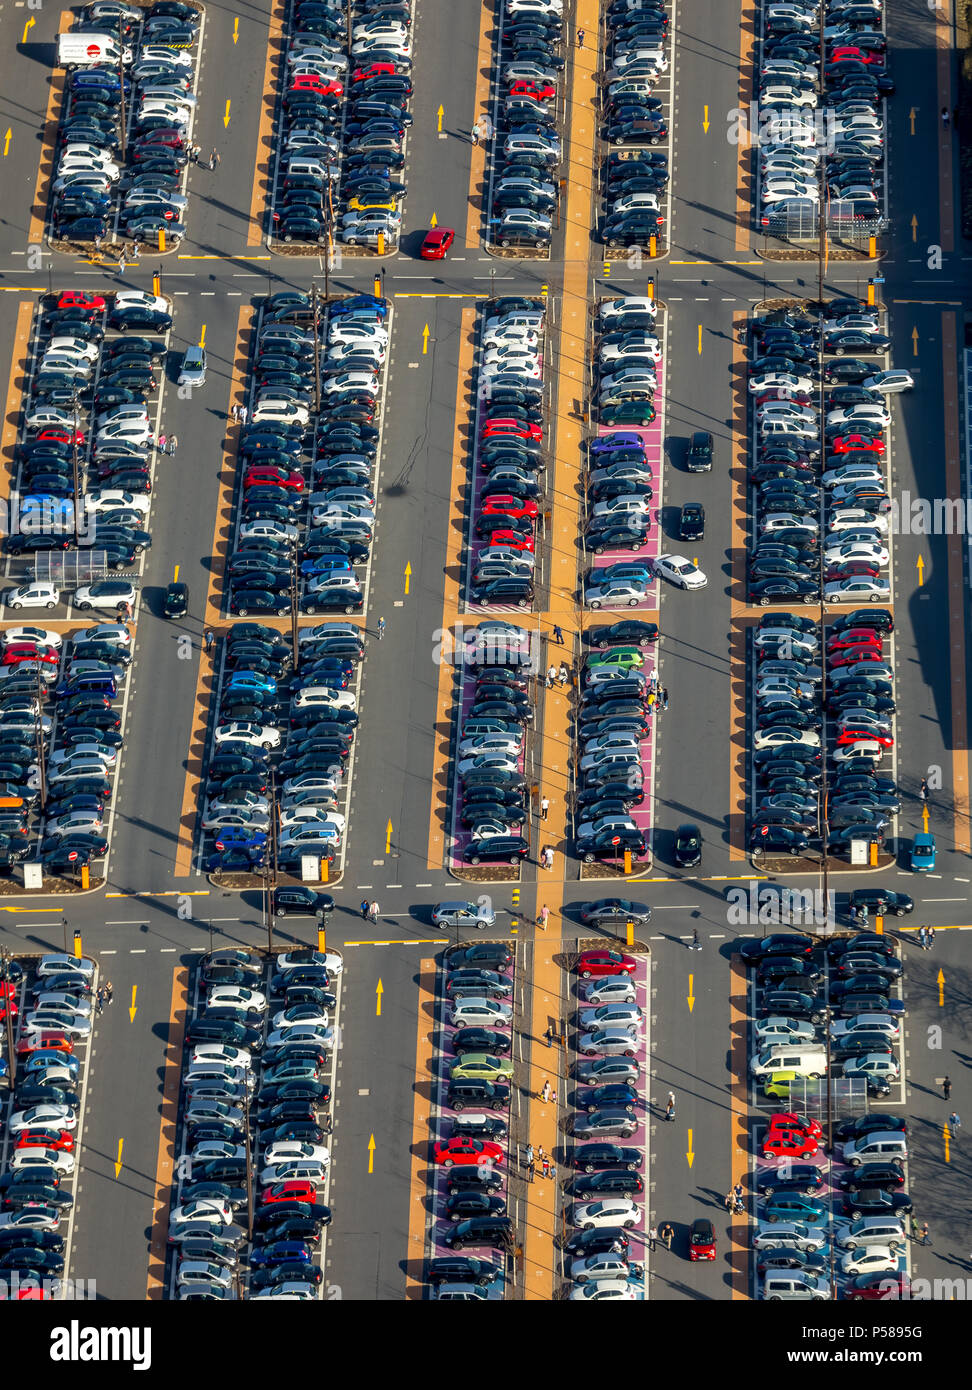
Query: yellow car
[(777, 1085), (372, 203), (481, 1066)]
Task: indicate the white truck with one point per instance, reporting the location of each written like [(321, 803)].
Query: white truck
[(90, 49)]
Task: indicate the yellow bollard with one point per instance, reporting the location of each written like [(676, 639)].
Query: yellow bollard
[(377, 286), (879, 924), (651, 289), (85, 876), (653, 245), (631, 933), (325, 869), (627, 861), (161, 238), (870, 291), (322, 938), (874, 854), (156, 284), (872, 247), (77, 942), (381, 243)]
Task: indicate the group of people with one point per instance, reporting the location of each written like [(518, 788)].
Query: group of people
[(168, 443), (733, 1200), (536, 1160), (559, 675), (103, 996), (239, 413), (369, 910), (195, 155)]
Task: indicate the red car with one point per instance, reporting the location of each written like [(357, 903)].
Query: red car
[(28, 651), (789, 1143), (702, 1241), (540, 91), (293, 1190), (848, 569), (77, 299), (372, 70), (505, 505), (44, 1042), (266, 475), (853, 638), (857, 55), (60, 436), (845, 443), (170, 139), (45, 1139), (889, 1286), (513, 540), (601, 962), (461, 1150), (851, 655), (10, 1004), (790, 1119), (307, 82), (437, 242), (511, 429), (852, 735)]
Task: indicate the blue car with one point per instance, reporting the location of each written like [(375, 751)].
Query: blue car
[(251, 680), (239, 838), (327, 564), (98, 77), (358, 303), (638, 572), (621, 440), (280, 1252), (791, 1206), (923, 853)]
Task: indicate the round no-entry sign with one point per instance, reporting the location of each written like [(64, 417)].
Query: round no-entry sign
[(616, 840), (94, 50)]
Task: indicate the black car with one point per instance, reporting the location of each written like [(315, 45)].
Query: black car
[(301, 901), (881, 900), (805, 1178), (482, 1095), (874, 1123), (607, 1240), (627, 632), (791, 1004), (489, 955), (779, 944), (687, 847), (607, 1183), (591, 1157), (476, 1039), (790, 1257), (493, 848), (691, 522), (698, 456), (447, 1269), (888, 1176), (496, 1231), (874, 1201)]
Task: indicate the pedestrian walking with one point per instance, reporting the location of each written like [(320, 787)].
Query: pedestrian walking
[(946, 118), (529, 1162), (209, 639), (474, 133), (562, 674), (737, 1193), (580, 38), (652, 1237), (109, 990), (161, 443), (670, 1110), (214, 159), (729, 1202), (667, 1234), (695, 944), (548, 1033), (235, 411), (664, 697), (381, 628), (542, 916), (921, 937), (122, 264), (915, 1232), (930, 936), (99, 1000), (923, 1233), (551, 676), (546, 1167), (558, 635), (244, 413), (547, 858), (173, 443), (373, 911), (364, 909), (540, 1154), (947, 1087), (923, 789), (545, 1092), (544, 807), (652, 697), (954, 1122)]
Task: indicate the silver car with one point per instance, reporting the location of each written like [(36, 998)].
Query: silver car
[(611, 1016), (610, 1123), (604, 1069), (773, 1235), (609, 1042), (618, 990)]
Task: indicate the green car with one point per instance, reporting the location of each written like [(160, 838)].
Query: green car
[(777, 1085), (792, 1206), (626, 657), (481, 1066)]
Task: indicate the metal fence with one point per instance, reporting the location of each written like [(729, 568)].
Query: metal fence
[(67, 569), (799, 220)]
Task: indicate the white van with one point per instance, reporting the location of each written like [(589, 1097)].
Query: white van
[(805, 1061), (793, 1283), (882, 1146), (87, 50)]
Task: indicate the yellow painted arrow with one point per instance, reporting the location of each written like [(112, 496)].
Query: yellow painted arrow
[(914, 227), (924, 818), (118, 1160), (202, 336), (371, 1154), (388, 835), (226, 116), (700, 340), (408, 575), (705, 119), (690, 1155), (946, 1135), (920, 567), (911, 117), (940, 981), (175, 575), (433, 221), (134, 1007), (236, 30), (914, 342), (27, 28), (425, 340), (379, 992), (6, 142), (440, 113), (691, 997)]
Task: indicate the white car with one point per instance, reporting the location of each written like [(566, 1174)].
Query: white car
[(528, 367), (128, 299), (236, 997), (32, 596), (777, 737), (475, 1011), (857, 589), (862, 410), (112, 500), (341, 331), (294, 960), (872, 1064), (309, 1033), (308, 1168), (268, 530), (284, 1150), (870, 1023), (85, 164), (42, 1158), (352, 381), (208, 1210), (115, 633), (856, 550), (852, 473), (314, 835), (851, 518), (59, 1022), (258, 735), (890, 382), (637, 347), (311, 813), (84, 821), (284, 1024), (780, 190), (680, 571), (783, 1030), (43, 636), (46, 1116), (338, 353), (765, 381), (783, 521), (280, 412), (86, 597), (870, 1259), (614, 1211), (615, 309), (221, 1053), (101, 751), (611, 1016), (524, 338), (608, 1291)]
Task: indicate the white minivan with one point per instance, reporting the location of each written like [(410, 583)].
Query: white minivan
[(805, 1061)]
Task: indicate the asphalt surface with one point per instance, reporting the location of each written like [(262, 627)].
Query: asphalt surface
[(142, 940)]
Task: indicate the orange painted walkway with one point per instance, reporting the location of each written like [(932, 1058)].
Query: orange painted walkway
[(155, 1288)]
